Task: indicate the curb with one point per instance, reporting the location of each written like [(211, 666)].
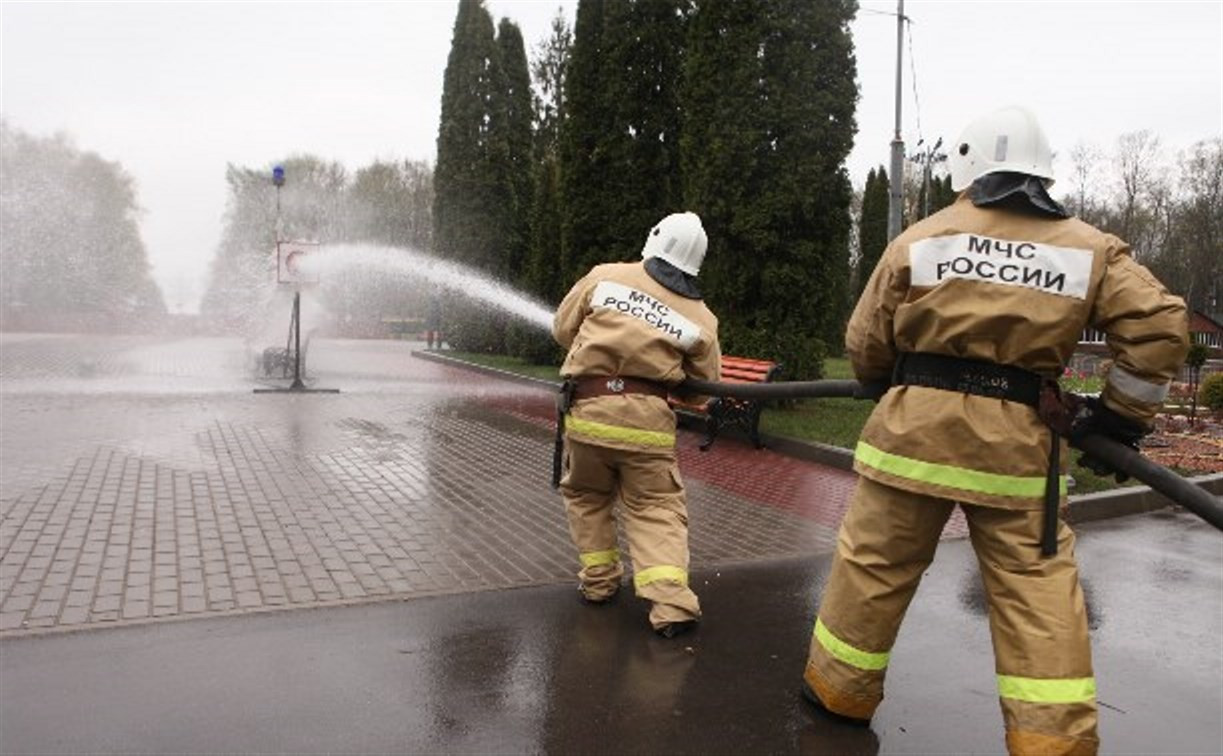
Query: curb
[(1101, 505), (495, 372)]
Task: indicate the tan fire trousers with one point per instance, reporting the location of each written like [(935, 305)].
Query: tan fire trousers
[(655, 519), (1038, 621)]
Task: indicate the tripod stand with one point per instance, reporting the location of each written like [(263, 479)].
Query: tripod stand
[(294, 347)]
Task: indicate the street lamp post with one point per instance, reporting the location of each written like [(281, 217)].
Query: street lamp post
[(928, 158), (896, 184)]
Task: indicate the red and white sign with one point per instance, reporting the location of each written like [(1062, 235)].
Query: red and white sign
[(289, 256)]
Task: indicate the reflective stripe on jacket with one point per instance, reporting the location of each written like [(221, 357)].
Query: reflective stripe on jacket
[(617, 320), (992, 284)]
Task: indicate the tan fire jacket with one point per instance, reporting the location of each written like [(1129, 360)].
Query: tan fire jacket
[(618, 321), (991, 284)]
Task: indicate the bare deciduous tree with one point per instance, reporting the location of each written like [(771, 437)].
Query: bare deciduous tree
[(1137, 159), (1084, 159)]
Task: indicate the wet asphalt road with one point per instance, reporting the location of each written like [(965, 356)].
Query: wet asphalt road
[(531, 670)]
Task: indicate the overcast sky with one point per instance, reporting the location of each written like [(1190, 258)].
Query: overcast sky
[(174, 91)]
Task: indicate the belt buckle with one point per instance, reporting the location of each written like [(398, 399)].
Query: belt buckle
[(615, 385)]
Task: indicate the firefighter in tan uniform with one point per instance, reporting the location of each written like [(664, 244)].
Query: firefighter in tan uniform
[(633, 330), (969, 317)]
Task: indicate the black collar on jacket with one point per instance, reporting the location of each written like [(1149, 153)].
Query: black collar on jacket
[(1015, 191), (676, 280)]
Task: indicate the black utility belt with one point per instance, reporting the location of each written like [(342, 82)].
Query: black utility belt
[(976, 377)]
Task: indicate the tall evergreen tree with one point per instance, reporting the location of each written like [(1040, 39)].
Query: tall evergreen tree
[(620, 149), (583, 164), (872, 226), (474, 193), (544, 265), (941, 193), (470, 179), (769, 99), (519, 148)]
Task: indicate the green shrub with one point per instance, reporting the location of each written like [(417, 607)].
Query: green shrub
[(470, 326), (1210, 394), (533, 344), (1197, 355), (800, 353)]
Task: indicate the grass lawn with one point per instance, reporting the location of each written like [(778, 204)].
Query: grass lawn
[(508, 364), (834, 422)]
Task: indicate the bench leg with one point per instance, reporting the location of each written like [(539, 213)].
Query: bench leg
[(754, 426), (713, 424), (711, 433)]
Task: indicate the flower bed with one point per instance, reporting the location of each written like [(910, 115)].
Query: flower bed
[(1195, 447)]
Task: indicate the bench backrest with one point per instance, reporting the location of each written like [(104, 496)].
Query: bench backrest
[(744, 370)]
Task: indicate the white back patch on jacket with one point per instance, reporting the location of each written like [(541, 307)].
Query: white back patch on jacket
[(636, 304), (1065, 271)]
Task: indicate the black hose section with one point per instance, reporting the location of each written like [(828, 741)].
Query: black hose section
[(779, 390), (1121, 457)]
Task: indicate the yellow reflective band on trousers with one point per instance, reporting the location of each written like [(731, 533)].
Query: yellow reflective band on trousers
[(663, 572), (599, 558), (1047, 691), (950, 476), (842, 651), (617, 433)]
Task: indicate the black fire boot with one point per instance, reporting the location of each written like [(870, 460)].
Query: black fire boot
[(672, 629), (599, 601)]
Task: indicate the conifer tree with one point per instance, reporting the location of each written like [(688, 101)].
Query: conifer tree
[(768, 102), (519, 162), (474, 194), (470, 179), (544, 265), (872, 225), (941, 193), (582, 162), (620, 148)]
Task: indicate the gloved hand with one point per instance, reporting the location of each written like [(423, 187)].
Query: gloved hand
[(1094, 417), (874, 390)]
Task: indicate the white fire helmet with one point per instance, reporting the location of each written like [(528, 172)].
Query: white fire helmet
[(680, 240), (1005, 140)]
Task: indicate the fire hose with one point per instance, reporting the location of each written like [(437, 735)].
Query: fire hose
[(1117, 455)]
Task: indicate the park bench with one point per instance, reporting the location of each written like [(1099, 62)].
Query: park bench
[(744, 413)]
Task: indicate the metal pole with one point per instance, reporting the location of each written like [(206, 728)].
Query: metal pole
[(297, 340), (925, 184), (278, 180), (896, 180)]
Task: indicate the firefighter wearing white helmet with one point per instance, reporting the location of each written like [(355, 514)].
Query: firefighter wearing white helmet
[(965, 325), (633, 331), (1008, 140)]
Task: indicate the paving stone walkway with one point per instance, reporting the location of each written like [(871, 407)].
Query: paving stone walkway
[(141, 479)]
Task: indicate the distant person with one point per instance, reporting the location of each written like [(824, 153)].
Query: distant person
[(971, 315), (433, 321), (634, 331)]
